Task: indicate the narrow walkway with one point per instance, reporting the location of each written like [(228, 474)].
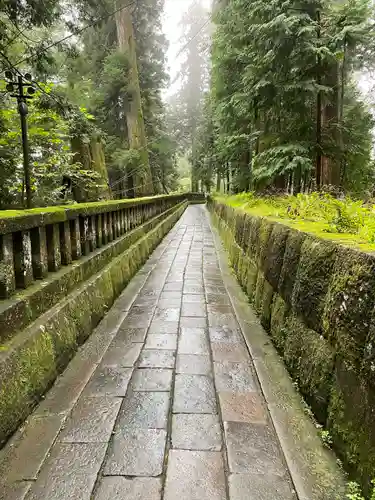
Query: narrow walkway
[(162, 402)]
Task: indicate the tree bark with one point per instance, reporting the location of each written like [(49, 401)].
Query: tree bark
[(142, 183)]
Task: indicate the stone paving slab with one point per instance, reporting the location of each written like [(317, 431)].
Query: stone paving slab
[(160, 341), (155, 358), (144, 410), (136, 452), (194, 394), (152, 380), (260, 487), (121, 488), (196, 432), (110, 381), (70, 472), (253, 448), (192, 364), (91, 420), (195, 475)]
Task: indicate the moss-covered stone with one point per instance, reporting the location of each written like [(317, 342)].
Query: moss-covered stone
[(258, 296), (310, 359), (275, 254), (351, 422), (289, 268), (349, 301), (266, 306), (279, 315), (25, 374), (312, 281), (30, 362), (26, 306), (265, 230), (251, 279), (254, 237)]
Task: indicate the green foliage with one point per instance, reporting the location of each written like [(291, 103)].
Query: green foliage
[(354, 492), (323, 212), (270, 64), (50, 154)]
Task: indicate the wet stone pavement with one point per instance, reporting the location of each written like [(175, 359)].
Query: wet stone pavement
[(162, 402)]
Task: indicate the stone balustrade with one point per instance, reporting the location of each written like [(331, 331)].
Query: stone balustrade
[(34, 243)]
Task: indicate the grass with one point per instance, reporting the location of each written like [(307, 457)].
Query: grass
[(345, 221)]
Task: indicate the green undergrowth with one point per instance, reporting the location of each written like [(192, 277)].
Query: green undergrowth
[(345, 221), (354, 492)]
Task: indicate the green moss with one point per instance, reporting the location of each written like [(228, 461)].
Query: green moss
[(266, 306), (251, 279), (279, 315), (275, 254), (312, 281), (24, 375), (289, 268), (258, 296), (265, 230), (350, 297), (310, 359), (352, 424)]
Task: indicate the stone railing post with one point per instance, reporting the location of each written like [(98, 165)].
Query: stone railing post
[(7, 277)]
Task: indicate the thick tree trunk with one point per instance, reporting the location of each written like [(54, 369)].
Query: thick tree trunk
[(91, 156), (141, 177)]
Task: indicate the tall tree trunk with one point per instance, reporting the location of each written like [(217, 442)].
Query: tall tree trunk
[(141, 178), (91, 156), (218, 182), (318, 164)]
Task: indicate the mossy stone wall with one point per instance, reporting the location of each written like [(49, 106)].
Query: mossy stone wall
[(316, 298), (31, 361)]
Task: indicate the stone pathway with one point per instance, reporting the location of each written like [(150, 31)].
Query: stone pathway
[(162, 402)]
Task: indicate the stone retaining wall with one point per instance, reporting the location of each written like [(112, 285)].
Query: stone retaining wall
[(316, 299), (31, 360)]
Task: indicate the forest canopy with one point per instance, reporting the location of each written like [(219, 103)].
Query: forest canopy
[(97, 122)]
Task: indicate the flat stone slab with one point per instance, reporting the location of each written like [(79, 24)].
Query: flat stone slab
[(253, 448), (29, 447), (167, 314), (14, 491), (242, 407), (69, 472), (160, 341), (226, 334), (194, 394), (222, 351), (144, 410), (192, 364), (193, 298), (109, 380), (234, 377), (186, 479), (193, 322), (260, 487), (91, 421), (162, 327), (124, 356), (193, 341), (193, 309), (154, 358), (136, 452), (150, 379), (121, 488), (196, 432), (127, 335)]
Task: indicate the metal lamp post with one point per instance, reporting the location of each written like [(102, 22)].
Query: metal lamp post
[(17, 87)]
